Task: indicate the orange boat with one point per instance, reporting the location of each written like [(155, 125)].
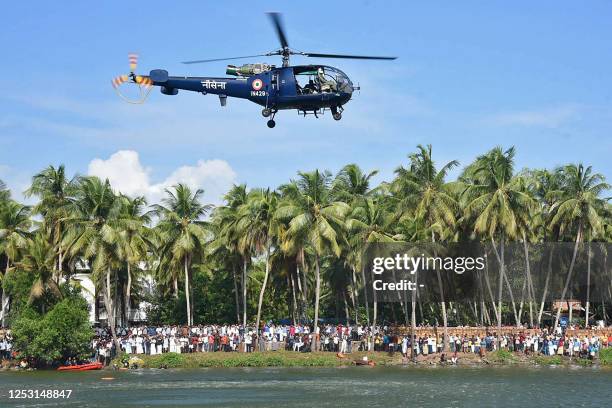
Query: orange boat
[(82, 367)]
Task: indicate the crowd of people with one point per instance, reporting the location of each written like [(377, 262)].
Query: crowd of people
[(152, 340), (6, 346), (541, 342)]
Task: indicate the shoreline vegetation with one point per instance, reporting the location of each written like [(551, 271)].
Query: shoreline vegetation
[(290, 359), (381, 359), (85, 254)]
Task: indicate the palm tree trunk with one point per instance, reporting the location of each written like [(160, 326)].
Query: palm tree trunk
[(175, 286), (244, 292), (116, 298), (374, 315), (302, 301), (315, 342), (488, 283), (186, 271), (128, 295), (354, 295), (500, 287), (365, 294), (413, 322), (60, 261), (346, 308), (294, 298), (569, 274), (191, 296), (110, 311), (546, 282), (4, 304), (236, 293), (529, 281), (588, 288), (263, 287), (442, 300), (304, 306)]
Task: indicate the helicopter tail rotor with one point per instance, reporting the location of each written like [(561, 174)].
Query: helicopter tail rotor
[(144, 83)]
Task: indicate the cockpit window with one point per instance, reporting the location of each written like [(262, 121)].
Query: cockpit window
[(321, 79)]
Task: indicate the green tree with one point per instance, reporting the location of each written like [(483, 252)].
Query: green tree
[(368, 223), (228, 240), (183, 232), (14, 234), (352, 183), (424, 192), (135, 242), (94, 226), (314, 219), (55, 192), (39, 260), (498, 204), (258, 229), (64, 332), (579, 209)]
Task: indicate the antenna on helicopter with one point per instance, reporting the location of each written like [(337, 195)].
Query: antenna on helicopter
[(285, 52), (145, 84)]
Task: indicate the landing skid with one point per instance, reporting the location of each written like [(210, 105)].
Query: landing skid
[(271, 113)]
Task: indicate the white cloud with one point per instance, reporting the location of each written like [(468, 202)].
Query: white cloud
[(549, 117), (127, 175), (124, 171)]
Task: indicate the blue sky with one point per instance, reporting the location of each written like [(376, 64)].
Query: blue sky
[(470, 75)]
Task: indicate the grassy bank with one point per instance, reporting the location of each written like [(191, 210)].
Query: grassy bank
[(326, 359), (261, 359)]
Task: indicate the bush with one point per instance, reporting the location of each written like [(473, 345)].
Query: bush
[(503, 356), (605, 356), (171, 360), (62, 333)]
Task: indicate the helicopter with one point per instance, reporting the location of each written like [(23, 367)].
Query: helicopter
[(309, 89)]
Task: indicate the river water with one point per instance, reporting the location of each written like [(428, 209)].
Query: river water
[(320, 387)]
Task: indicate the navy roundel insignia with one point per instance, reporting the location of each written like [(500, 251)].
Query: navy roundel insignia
[(257, 84)]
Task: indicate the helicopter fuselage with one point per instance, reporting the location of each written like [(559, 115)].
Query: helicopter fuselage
[(276, 89)]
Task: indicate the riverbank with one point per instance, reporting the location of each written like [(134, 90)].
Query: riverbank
[(327, 359)]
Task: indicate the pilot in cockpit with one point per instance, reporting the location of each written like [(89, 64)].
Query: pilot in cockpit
[(326, 85)]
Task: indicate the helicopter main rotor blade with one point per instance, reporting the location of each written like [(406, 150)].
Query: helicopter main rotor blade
[(280, 31), (362, 57), (224, 59)]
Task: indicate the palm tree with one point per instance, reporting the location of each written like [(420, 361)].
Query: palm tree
[(183, 231), (545, 187), (579, 209), (498, 203), (14, 234), (351, 183), (55, 192), (368, 223), (227, 237), (258, 228), (314, 219), (136, 241), (39, 260), (94, 227), (426, 194)]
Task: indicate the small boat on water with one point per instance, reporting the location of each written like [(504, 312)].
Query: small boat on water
[(81, 367)]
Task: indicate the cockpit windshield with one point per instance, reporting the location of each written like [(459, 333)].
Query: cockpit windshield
[(320, 79)]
